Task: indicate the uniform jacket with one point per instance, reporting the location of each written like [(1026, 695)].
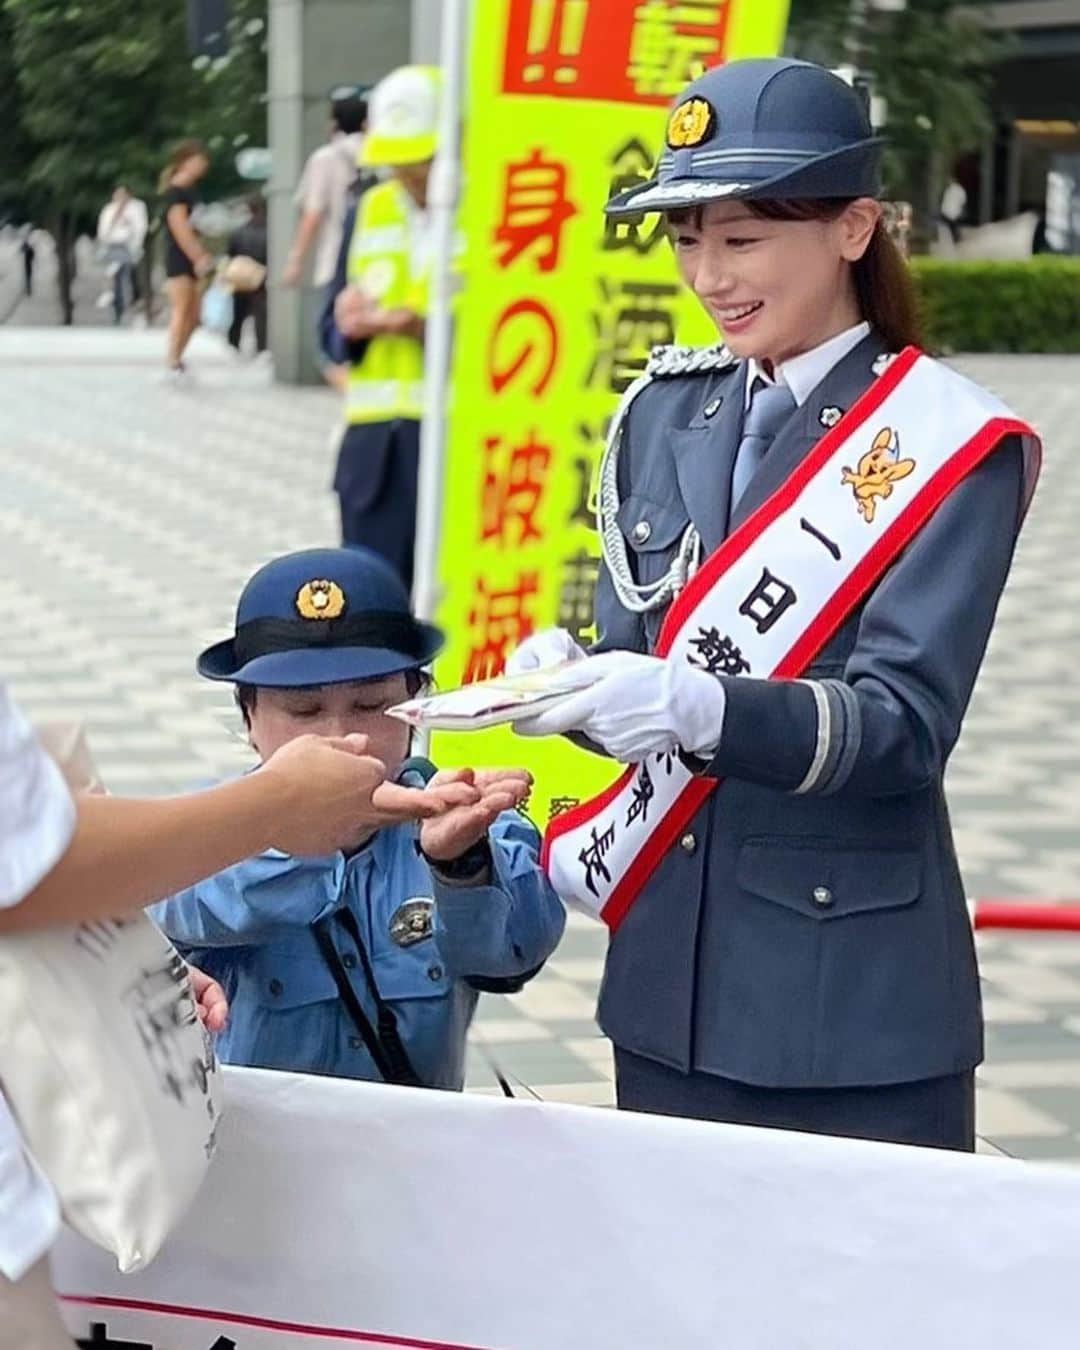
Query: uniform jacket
[(251, 927), (820, 937)]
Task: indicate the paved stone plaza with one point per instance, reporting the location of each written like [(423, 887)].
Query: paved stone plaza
[(131, 513)]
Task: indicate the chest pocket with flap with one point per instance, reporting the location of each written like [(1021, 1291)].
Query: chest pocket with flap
[(652, 530), (289, 974), (823, 881)]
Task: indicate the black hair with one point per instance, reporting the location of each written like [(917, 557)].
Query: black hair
[(350, 114), (416, 682)]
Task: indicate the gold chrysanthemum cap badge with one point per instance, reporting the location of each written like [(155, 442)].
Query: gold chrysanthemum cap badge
[(691, 123), (320, 599)]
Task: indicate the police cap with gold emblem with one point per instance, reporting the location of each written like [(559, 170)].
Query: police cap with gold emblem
[(773, 128), (323, 616)]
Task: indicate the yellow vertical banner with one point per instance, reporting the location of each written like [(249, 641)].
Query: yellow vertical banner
[(559, 308)]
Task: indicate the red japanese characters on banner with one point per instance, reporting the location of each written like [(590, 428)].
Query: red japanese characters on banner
[(522, 350), (513, 484), (593, 49), (535, 208), (559, 308), (499, 621), (524, 339)]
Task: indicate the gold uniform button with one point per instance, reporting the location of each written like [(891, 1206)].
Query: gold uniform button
[(823, 896), (688, 843), (642, 532)]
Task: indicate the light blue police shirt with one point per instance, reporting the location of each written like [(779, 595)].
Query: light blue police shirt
[(250, 928)]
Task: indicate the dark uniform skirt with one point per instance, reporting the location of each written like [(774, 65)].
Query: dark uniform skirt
[(934, 1112)]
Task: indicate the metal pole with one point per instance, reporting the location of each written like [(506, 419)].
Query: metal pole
[(442, 202)]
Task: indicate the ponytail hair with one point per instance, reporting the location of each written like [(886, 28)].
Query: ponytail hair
[(181, 152), (883, 286)]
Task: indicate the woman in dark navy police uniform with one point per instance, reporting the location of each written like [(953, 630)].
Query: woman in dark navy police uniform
[(801, 957)]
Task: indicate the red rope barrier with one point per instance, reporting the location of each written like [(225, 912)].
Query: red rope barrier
[(1031, 915)]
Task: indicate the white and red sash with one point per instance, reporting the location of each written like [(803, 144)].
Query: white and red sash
[(770, 597)]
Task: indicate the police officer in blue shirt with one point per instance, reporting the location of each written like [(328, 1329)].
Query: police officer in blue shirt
[(799, 953), (367, 963)]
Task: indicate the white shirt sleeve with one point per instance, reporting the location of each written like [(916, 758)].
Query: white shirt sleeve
[(315, 192), (37, 815), (142, 224)]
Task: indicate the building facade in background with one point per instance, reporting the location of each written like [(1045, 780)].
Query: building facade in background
[(1035, 145)]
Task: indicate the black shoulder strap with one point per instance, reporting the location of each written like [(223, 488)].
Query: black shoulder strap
[(383, 1045)]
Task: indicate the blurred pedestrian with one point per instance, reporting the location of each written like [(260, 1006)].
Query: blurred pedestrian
[(121, 233), (373, 319), (952, 209), (330, 173), (245, 273), (186, 257), (26, 248)]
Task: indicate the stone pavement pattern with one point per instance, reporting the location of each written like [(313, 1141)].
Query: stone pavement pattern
[(131, 513)]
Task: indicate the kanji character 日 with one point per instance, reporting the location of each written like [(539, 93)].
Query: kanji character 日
[(768, 602)]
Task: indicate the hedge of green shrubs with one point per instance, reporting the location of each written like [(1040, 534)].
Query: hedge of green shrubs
[(1032, 305)]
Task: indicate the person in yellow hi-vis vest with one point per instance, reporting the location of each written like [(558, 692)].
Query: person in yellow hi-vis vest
[(373, 318)]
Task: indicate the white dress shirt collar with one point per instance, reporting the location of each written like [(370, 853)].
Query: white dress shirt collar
[(803, 373)]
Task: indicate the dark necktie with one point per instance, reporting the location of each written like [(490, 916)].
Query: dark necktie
[(770, 407)]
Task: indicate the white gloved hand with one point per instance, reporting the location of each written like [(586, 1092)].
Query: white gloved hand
[(549, 647), (643, 705)]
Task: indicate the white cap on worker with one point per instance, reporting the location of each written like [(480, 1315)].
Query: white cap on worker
[(403, 117)]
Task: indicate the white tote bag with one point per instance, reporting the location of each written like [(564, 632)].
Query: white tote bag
[(109, 1072)]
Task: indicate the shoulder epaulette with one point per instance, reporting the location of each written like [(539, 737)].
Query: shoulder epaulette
[(671, 360)]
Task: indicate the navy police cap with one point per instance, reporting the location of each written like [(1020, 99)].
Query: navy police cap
[(323, 616), (772, 128)]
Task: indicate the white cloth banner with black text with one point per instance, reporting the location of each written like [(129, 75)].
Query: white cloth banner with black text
[(341, 1213)]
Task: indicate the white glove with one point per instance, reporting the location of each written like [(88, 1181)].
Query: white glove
[(549, 647), (643, 705)]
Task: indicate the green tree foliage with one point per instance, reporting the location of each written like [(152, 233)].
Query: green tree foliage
[(817, 29), (1028, 306), (932, 62), (230, 110), (934, 66), (95, 92)]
